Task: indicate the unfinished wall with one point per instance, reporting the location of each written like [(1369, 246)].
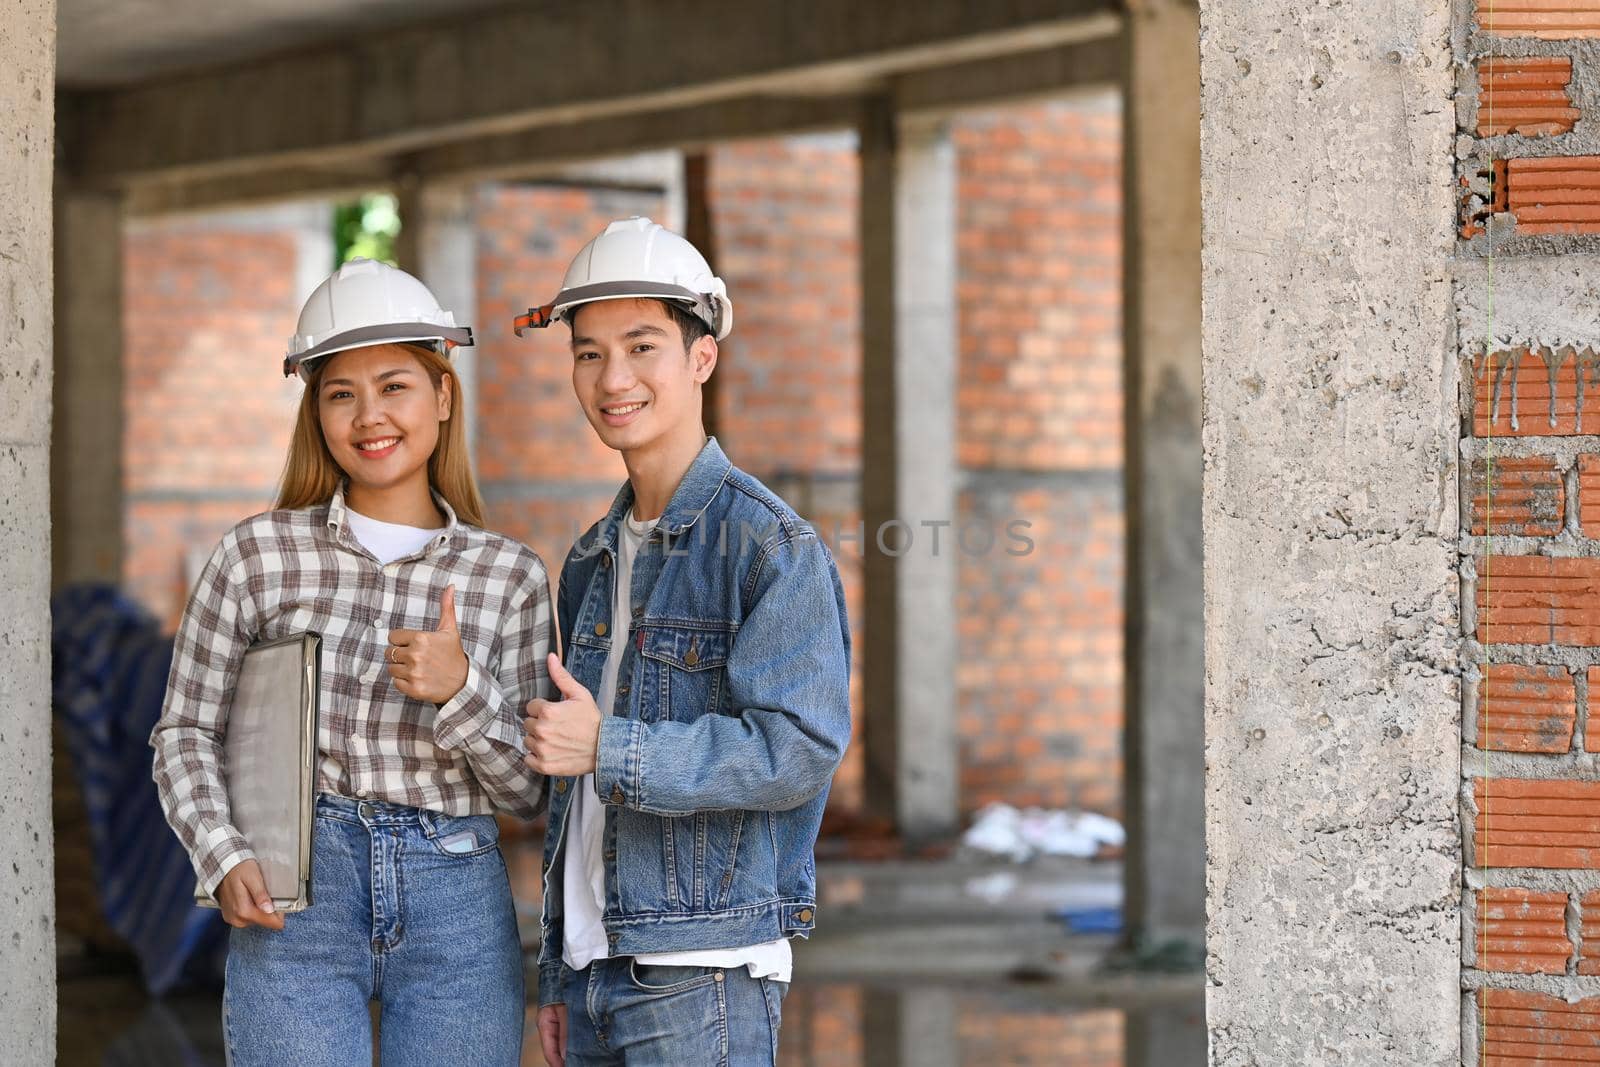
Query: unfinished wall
[(1526, 296), (27, 910), (1330, 534)]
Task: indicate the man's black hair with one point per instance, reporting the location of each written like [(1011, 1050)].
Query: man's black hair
[(690, 325)]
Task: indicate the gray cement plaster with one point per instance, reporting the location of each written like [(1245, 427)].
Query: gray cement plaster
[(27, 883), (1331, 520)]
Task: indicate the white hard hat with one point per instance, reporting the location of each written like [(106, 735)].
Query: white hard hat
[(366, 302), (635, 257)]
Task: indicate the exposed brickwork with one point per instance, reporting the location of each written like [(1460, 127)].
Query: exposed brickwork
[(1526, 709), (1548, 19), (1537, 392), (785, 222), (994, 1033), (1589, 495), (1522, 931), (1040, 675), (1040, 247), (1539, 600), (1529, 95), (1536, 1028), (1518, 496), (1537, 823), (1555, 195), (207, 410), (1589, 934)]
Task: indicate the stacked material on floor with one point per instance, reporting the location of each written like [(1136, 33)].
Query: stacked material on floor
[(109, 664)]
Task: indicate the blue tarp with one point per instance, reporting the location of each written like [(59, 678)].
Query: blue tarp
[(109, 665)]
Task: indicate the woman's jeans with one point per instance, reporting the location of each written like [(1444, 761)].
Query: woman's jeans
[(624, 1013), (410, 908)]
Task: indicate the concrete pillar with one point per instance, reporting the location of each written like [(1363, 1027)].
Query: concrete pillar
[(27, 884), (1332, 633), (438, 243), (908, 306), (1164, 694), (86, 490), (912, 1025)]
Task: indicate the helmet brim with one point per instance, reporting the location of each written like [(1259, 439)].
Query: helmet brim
[(388, 333)]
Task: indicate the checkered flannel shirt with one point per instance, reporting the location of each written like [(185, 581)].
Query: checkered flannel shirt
[(287, 571)]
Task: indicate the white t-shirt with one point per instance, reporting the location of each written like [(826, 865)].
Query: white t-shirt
[(389, 541), (583, 875)]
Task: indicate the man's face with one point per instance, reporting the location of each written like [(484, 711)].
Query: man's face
[(636, 381)]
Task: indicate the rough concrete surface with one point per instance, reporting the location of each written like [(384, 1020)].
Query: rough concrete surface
[(1331, 519), (27, 889)]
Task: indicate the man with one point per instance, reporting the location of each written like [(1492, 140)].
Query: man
[(709, 622)]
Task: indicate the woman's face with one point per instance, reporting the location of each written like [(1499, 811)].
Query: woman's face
[(380, 414)]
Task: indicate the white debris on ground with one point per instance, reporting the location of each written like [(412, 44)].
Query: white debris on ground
[(1020, 835)]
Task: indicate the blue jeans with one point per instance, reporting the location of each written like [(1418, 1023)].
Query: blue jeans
[(626, 1014), (410, 908)]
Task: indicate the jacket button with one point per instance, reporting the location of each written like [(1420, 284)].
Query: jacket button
[(805, 915), (616, 795), (561, 785), (600, 629), (691, 657)]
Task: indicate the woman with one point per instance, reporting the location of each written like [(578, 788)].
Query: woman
[(435, 633)]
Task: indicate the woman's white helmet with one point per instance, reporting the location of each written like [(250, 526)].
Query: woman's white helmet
[(637, 258), (366, 302)]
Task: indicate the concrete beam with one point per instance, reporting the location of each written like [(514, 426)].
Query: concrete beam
[(552, 150), (519, 68), (908, 374), (86, 439), (1331, 434), (27, 839), (1164, 650)]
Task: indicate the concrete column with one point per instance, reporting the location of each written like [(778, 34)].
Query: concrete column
[(86, 490), (1164, 694), (27, 884), (438, 243), (908, 272), (913, 1025), (1332, 633)]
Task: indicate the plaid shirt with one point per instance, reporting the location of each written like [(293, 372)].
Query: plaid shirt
[(284, 572)]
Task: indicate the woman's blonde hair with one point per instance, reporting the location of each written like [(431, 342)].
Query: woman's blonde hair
[(310, 475)]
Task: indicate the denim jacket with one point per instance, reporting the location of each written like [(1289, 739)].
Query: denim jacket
[(732, 714)]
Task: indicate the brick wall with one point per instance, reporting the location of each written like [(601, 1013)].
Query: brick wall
[(1040, 439), (1530, 165), (208, 412)]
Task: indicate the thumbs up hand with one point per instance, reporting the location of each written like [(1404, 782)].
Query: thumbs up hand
[(429, 664), (563, 735)]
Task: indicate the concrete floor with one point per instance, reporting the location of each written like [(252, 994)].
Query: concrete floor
[(932, 964)]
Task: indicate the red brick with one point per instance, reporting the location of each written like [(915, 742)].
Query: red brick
[(1522, 931), (1589, 935), (1589, 495), (1518, 495), (1537, 392), (1539, 600), (1526, 709), (1536, 1028), (1548, 19), (1526, 95), (1559, 195), (1537, 823)]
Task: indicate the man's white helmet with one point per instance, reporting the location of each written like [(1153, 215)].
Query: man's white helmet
[(366, 302), (635, 257)]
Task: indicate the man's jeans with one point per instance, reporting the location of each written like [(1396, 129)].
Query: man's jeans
[(625, 1013), (411, 908)]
